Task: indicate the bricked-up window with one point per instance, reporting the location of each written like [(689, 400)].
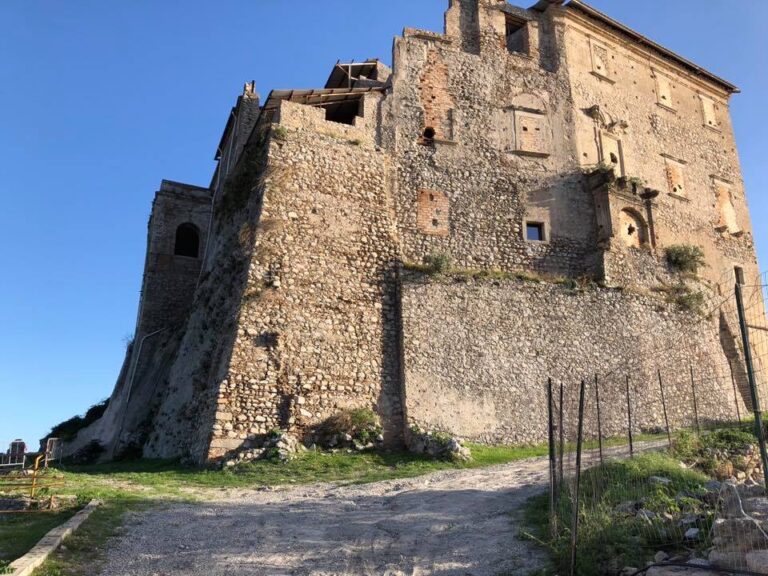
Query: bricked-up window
[(534, 232), (612, 153), (709, 113), (601, 61), (433, 215), (727, 220), (676, 177), (531, 133), (664, 91), (187, 241)]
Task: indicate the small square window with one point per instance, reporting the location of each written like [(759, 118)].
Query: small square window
[(534, 232)]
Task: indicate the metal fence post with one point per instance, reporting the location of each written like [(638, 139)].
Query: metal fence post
[(575, 512), (599, 420), (695, 404), (561, 432), (760, 433), (664, 406), (629, 422), (552, 460)]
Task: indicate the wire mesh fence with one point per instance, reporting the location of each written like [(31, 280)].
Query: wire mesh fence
[(661, 459)]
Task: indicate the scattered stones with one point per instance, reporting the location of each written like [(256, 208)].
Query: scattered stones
[(438, 445), (692, 534)]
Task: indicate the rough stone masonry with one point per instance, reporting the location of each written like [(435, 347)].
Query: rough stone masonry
[(550, 143)]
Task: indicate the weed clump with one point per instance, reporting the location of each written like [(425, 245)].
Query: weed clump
[(685, 258), (359, 428)]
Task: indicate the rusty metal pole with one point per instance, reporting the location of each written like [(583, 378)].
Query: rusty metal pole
[(664, 406), (629, 422), (759, 431), (599, 420), (552, 460), (695, 404), (575, 512)]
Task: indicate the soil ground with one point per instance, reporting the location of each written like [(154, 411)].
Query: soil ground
[(462, 522)]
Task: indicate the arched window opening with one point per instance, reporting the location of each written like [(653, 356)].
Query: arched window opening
[(633, 230), (187, 241)]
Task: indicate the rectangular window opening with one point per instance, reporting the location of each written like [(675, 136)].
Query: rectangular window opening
[(739, 271), (534, 232), (516, 34)]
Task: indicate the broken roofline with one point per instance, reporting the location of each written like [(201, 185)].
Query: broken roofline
[(318, 96), (579, 5)]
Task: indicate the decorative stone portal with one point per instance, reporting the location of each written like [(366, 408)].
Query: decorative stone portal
[(632, 229)]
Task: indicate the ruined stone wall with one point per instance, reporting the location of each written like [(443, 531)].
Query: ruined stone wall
[(477, 355), (316, 328), (670, 128), (170, 279), (490, 131)]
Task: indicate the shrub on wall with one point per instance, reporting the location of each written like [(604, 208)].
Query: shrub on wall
[(359, 427), (438, 263), (685, 258)]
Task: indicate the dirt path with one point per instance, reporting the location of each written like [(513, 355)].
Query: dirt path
[(463, 522)]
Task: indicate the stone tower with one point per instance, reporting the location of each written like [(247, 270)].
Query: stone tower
[(550, 143)]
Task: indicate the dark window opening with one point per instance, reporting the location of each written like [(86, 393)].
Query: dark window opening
[(343, 112), (429, 133), (534, 232), (515, 34), (739, 271), (187, 241)]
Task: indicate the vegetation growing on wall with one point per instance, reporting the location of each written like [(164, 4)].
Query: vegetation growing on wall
[(68, 429), (685, 258)]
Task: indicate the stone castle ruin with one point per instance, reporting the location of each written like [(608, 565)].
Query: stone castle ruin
[(551, 144)]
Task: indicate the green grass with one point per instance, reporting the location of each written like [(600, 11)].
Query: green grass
[(159, 478), (124, 486), (609, 541), (83, 551), (20, 532)]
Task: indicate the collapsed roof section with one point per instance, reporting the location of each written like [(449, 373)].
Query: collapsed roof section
[(341, 104), (353, 74)]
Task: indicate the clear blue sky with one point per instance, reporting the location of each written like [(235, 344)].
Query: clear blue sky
[(100, 100)]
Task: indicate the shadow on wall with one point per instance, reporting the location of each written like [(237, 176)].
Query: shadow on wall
[(391, 401), (733, 353)]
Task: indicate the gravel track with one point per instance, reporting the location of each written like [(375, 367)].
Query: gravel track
[(462, 522)]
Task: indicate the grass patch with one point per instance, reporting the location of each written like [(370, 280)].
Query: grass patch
[(83, 551), (158, 478), (20, 532), (609, 540)]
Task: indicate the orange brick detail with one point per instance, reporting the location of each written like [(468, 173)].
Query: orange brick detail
[(433, 215), (437, 102)]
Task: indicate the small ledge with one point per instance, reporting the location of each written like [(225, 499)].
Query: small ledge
[(679, 197), (529, 153), (426, 35), (432, 141), (717, 129), (666, 107), (602, 77)]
